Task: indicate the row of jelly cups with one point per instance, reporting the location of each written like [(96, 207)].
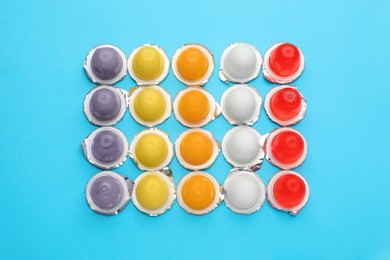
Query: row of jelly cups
[(194, 106), (193, 64), (196, 148), (154, 192)]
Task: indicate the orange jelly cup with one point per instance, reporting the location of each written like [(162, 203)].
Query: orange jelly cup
[(196, 149), (198, 193), (193, 64), (194, 107)]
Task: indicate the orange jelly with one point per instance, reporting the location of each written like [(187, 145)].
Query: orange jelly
[(192, 64), (198, 192), (194, 106), (196, 148)]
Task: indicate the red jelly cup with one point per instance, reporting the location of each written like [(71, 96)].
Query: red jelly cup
[(285, 105), (286, 148), (288, 191), (283, 63)]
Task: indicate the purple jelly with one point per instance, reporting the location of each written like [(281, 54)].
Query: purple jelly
[(107, 146), (105, 104), (106, 63), (106, 192)]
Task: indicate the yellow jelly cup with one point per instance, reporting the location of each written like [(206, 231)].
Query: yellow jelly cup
[(150, 105), (153, 193), (148, 64), (151, 149)]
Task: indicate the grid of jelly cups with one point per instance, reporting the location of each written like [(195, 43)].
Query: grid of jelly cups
[(153, 192)]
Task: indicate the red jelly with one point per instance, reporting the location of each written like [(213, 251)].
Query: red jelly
[(289, 190), (285, 60), (287, 147), (286, 103)]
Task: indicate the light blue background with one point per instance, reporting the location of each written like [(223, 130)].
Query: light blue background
[(43, 172)]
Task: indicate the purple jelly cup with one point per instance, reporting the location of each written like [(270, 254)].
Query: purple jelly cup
[(105, 105), (105, 64), (106, 148), (108, 192)]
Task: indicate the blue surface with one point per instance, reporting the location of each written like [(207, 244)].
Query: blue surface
[(43, 172)]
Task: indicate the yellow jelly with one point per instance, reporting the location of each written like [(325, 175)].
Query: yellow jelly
[(148, 63), (151, 150), (152, 192), (150, 104)]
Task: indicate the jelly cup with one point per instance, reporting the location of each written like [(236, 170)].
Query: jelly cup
[(105, 64), (288, 191), (108, 192), (193, 64), (150, 105), (106, 148), (286, 148), (148, 64), (195, 107), (199, 193), (240, 63), (285, 105), (196, 149), (241, 105), (151, 149), (154, 192), (105, 105), (283, 63), (244, 191), (242, 147)]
